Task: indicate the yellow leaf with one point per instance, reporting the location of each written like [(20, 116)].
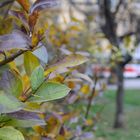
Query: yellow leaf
[(36, 137), (13, 66), (32, 106), (6, 25), (67, 116), (68, 62), (60, 137), (75, 28), (71, 84), (85, 89), (30, 62), (89, 122), (26, 81), (58, 78), (35, 40), (39, 129), (53, 126)]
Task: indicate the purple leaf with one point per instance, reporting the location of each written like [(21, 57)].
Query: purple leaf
[(20, 16), (25, 119), (11, 83), (44, 4), (15, 40), (88, 135), (24, 115)]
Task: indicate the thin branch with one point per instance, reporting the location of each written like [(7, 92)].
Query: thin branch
[(12, 57), (118, 7), (28, 94), (76, 7), (91, 98)]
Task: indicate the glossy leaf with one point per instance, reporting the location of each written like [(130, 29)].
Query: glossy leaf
[(9, 133), (37, 77), (30, 62), (15, 40), (9, 104), (44, 4), (50, 91), (11, 83), (42, 54)]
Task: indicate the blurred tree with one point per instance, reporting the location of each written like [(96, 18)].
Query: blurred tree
[(117, 20), (111, 14)]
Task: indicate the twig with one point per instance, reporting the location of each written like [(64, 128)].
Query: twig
[(12, 57), (118, 7), (91, 98)]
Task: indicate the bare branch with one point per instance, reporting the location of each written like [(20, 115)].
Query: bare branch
[(118, 7), (91, 98)]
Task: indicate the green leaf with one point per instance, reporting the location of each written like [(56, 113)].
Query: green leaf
[(4, 119), (11, 83), (9, 103), (25, 123), (9, 133), (30, 62), (50, 91), (42, 54), (37, 77)]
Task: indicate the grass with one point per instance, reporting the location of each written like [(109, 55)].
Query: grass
[(132, 117)]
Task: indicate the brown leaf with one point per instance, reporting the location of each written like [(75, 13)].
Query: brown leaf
[(25, 4), (33, 19)]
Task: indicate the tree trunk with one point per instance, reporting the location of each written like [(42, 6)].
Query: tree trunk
[(119, 117)]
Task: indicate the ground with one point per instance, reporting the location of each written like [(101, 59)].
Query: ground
[(132, 117)]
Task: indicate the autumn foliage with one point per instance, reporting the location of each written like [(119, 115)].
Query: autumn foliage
[(38, 79)]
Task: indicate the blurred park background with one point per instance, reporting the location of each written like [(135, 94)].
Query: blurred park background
[(111, 37)]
